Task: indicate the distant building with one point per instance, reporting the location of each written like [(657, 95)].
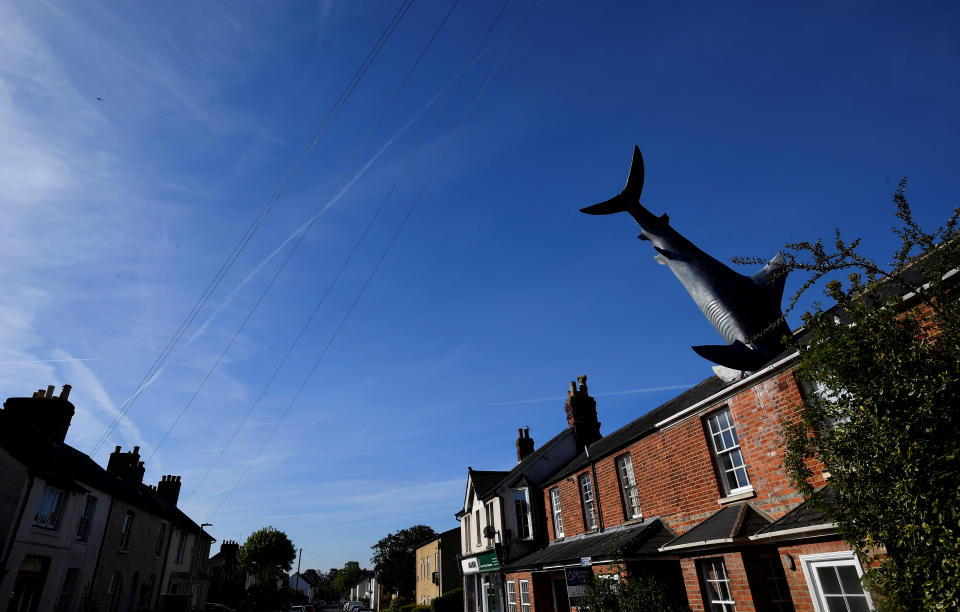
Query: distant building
[(299, 583), (437, 570)]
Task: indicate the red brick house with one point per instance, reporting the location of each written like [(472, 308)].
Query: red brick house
[(693, 492)]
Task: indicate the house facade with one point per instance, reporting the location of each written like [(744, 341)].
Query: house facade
[(437, 570), (502, 518), (694, 494)]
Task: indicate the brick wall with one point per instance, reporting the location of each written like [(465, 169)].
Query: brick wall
[(796, 577), (674, 467)]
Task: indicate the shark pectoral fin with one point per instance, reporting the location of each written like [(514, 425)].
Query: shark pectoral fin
[(738, 355)]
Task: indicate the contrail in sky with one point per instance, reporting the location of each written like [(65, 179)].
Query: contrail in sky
[(558, 397), (233, 294), (49, 360)]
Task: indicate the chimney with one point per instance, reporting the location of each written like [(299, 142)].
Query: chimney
[(44, 411), (524, 444), (581, 412), (229, 550), (126, 466), (169, 489)]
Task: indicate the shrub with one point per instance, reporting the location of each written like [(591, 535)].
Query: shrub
[(451, 601)]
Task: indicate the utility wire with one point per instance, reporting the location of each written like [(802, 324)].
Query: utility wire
[(393, 239), (260, 299), (289, 175), (343, 267)]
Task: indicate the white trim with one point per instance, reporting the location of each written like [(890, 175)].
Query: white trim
[(695, 544), (810, 529), (742, 493), (716, 397), (807, 561)]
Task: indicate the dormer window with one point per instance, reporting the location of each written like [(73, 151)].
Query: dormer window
[(521, 507)]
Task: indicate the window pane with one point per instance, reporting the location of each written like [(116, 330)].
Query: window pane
[(829, 583), (849, 579)]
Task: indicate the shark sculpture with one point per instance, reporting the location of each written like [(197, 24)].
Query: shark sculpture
[(745, 310)]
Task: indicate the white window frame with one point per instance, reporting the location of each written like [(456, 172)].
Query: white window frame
[(557, 512), (526, 514), (488, 512), (158, 547), (524, 596), (181, 545), (476, 516), (50, 508), (89, 509), (466, 531), (588, 501), (628, 487), (511, 596), (722, 604), (125, 529), (727, 448), (810, 563)]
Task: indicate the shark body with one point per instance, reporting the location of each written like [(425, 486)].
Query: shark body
[(745, 310)]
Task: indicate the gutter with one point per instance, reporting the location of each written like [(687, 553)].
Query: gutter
[(737, 386), (809, 531)]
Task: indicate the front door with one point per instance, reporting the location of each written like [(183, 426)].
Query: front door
[(492, 589), (560, 601)]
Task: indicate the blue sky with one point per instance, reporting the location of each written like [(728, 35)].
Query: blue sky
[(760, 125)]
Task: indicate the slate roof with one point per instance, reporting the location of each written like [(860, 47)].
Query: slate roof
[(803, 516), (733, 523), (62, 465), (642, 426), (485, 481), (640, 538)]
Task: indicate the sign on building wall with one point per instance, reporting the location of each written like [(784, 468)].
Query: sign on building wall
[(486, 562), (577, 580)]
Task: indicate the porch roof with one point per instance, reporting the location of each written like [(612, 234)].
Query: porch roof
[(640, 538)]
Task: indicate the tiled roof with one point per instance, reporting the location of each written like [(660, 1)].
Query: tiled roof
[(517, 475), (484, 481), (622, 540), (733, 523)]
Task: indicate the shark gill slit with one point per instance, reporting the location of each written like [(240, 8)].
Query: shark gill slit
[(721, 319)]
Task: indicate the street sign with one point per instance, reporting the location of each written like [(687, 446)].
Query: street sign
[(586, 561)]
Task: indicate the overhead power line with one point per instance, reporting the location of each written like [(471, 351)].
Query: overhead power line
[(395, 235), (343, 266), (288, 176)]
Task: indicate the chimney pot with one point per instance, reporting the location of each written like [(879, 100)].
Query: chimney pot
[(65, 392), (50, 389)]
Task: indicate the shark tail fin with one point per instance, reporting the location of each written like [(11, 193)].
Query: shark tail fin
[(772, 277), (630, 193), (737, 356)]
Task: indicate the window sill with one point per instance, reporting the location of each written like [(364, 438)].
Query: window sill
[(634, 520), (123, 551), (738, 496)]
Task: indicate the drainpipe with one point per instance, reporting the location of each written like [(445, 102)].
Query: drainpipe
[(103, 540), (596, 490)]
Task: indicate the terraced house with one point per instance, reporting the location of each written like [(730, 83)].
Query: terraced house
[(76, 536)]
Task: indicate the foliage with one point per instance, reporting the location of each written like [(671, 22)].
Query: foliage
[(395, 561), (884, 421), (636, 593), (400, 602), (410, 607), (346, 578), (420, 608), (267, 554), (451, 601), (313, 577)]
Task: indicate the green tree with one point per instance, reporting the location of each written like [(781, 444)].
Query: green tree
[(636, 593), (394, 558), (346, 578), (267, 554), (884, 420)]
